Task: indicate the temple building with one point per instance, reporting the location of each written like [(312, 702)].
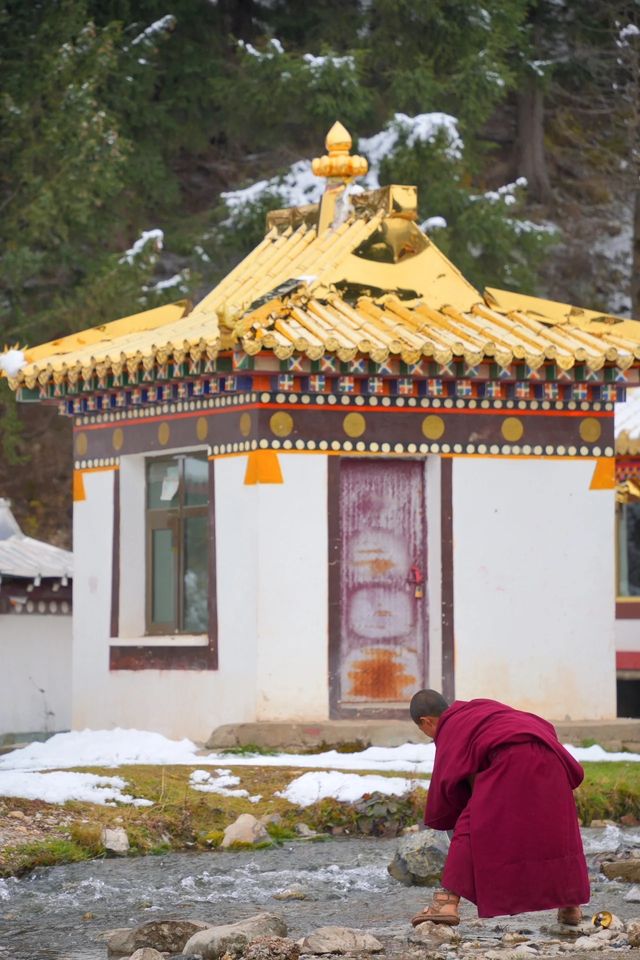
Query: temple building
[(345, 474), (35, 633), (627, 542)]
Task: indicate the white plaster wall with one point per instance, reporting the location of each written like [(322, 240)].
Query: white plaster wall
[(35, 673), (533, 574), (292, 680), (174, 702), (628, 635)]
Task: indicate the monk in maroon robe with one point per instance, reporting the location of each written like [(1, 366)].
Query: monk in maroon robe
[(503, 783)]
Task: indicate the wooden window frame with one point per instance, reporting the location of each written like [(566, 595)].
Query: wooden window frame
[(627, 608), (149, 656), (174, 519)]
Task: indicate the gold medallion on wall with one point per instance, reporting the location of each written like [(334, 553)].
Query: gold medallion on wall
[(590, 429), (512, 429), (81, 444), (245, 424), (164, 432), (202, 428), (281, 424), (354, 424), (117, 439), (433, 427)]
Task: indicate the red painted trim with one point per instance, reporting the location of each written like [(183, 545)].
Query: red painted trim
[(628, 610), (628, 660), (485, 411)]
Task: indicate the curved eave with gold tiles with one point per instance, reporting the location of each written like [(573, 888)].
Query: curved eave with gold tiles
[(350, 327), (327, 325)]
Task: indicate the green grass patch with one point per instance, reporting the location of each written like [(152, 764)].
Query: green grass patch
[(609, 791), (42, 853), (182, 818)]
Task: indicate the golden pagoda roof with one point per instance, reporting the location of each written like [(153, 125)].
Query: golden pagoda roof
[(355, 276)]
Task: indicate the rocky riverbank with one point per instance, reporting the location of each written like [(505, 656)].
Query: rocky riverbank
[(293, 891)]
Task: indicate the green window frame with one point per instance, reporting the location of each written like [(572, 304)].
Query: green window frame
[(177, 544)]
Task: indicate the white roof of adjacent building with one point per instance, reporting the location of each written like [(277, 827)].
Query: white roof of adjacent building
[(22, 556)]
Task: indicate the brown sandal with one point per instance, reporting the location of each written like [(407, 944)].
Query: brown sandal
[(433, 913), (570, 916)]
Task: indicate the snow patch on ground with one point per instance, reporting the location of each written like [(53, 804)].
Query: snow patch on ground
[(23, 772), (59, 787), (101, 748), (220, 782), (346, 787)]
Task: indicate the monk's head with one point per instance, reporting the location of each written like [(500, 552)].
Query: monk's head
[(425, 708)]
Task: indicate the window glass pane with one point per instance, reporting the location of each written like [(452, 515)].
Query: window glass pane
[(163, 591), (196, 481), (629, 550), (163, 481), (196, 575)]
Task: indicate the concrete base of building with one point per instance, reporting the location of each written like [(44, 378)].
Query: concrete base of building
[(616, 735)]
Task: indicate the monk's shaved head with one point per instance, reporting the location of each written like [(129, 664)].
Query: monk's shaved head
[(427, 703)]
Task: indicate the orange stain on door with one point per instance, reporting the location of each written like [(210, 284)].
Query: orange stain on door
[(379, 676)]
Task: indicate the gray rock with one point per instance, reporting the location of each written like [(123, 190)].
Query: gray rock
[(633, 896), (433, 934), (246, 829), (588, 943), (120, 942), (304, 831), (419, 859), (520, 952), (566, 932), (213, 942), (633, 932), (115, 841), (295, 892), (167, 936), (627, 870), (146, 953), (339, 940), (272, 948)]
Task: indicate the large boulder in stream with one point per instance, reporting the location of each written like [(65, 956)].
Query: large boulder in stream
[(166, 936), (232, 938), (419, 859)]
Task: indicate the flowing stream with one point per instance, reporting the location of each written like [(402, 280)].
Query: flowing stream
[(59, 913)]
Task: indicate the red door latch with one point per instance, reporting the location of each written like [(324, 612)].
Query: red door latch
[(416, 578)]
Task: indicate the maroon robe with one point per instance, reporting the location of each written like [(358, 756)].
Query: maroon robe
[(516, 845)]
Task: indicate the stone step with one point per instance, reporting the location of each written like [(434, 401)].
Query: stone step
[(611, 734)]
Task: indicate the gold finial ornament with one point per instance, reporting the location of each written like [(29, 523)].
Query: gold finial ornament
[(339, 164)]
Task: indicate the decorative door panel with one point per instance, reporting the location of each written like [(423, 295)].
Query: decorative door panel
[(382, 592)]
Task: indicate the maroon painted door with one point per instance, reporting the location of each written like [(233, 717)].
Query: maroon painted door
[(382, 640)]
